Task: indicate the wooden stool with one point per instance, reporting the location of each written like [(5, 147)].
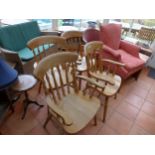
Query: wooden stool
[(25, 83)]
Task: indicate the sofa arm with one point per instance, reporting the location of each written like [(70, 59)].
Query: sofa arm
[(130, 48), (112, 52), (12, 56)]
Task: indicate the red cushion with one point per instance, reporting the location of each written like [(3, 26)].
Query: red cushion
[(131, 62), (110, 34), (91, 35)]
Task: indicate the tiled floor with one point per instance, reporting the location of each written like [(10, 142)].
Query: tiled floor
[(133, 112)]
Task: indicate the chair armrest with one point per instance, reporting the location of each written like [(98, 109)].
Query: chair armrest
[(113, 52), (91, 81), (114, 62), (130, 48)]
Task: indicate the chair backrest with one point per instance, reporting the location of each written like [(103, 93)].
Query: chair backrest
[(74, 40), (146, 34), (110, 34), (57, 72), (41, 44), (92, 53), (91, 35)]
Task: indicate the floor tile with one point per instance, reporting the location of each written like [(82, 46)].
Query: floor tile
[(53, 129), (139, 91), (134, 100), (137, 130), (151, 97), (149, 108), (128, 110), (19, 126), (91, 129), (37, 130), (106, 130), (146, 122), (119, 123)]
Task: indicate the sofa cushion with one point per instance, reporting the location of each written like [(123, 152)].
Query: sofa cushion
[(12, 38), (30, 30), (26, 54), (131, 62), (110, 34)]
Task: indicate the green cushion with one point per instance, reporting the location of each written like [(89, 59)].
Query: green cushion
[(30, 30), (12, 38), (26, 54)]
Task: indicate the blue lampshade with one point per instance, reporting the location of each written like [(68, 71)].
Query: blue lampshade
[(8, 75)]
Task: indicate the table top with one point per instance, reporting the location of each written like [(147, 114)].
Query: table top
[(24, 83)]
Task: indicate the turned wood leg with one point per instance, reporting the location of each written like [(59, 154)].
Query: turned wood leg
[(40, 86), (95, 120), (47, 120), (105, 106)]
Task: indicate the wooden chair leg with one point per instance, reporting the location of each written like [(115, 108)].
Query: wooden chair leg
[(105, 106), (48, 118), (80, 73), (95, 120), (40, 86)]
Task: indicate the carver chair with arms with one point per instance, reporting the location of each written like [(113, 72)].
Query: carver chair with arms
[(67, 105), (102, 71), (40, 46)]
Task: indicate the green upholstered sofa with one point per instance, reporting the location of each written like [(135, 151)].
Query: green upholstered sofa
[(14, 38)]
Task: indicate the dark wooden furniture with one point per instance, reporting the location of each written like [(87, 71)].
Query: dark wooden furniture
[(25, 83)]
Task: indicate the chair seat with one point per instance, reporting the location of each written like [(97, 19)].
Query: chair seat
[(130, 61), (76, 109), (114, 82), (26, 54)]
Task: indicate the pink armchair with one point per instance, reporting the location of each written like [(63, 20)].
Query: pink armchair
[(120, 50)]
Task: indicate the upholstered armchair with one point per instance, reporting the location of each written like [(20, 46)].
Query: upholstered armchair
[(120, 50)]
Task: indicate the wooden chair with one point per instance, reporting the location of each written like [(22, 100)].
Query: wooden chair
[(74, 41), (41, 45), (105, 75), (67, 105), (146, 35)]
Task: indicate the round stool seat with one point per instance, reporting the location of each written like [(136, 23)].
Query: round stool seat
[(24, 83)]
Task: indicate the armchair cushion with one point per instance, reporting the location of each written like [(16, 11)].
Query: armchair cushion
[(130, 48), (131, 62), (110, 34), (26, 54)]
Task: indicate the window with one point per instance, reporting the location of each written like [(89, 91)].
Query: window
[(44, 24)]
